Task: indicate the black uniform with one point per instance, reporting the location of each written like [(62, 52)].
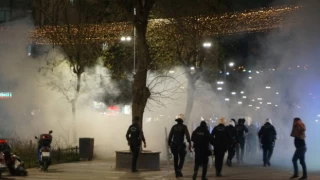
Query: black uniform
[(178, 146), (220, 137), (231, 143), (241, 129), (201, 142), (267, 136), (252, 140), (134, 136)]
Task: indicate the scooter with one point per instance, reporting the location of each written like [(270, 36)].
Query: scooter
[(44, 151), (2, 161), (13, 163)]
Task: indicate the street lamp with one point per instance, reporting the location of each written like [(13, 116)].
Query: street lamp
[(207, 44), (231, 64), (128, 39)]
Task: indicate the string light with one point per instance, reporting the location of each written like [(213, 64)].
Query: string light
[(230, 23)]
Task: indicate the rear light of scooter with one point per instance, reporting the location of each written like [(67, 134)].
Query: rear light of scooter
[(45, 149), (3, 141), (45, 137)]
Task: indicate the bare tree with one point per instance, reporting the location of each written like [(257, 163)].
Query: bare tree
[(184, 35), (67, 26), (138, 12)]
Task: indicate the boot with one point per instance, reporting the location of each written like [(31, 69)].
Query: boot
[(195, 174), (294, 176), (179, 173), (303, 178)]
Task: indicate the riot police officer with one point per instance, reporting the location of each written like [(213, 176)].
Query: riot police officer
[(232, 141), (241, 130), (134, 137), (220, 137), (201, 141), (177, 145), (267, 136)]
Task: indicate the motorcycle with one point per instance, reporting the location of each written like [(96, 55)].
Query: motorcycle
[(44, 151), (13, 163)]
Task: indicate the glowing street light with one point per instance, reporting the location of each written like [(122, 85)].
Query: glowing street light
[(227, 99), (207, 44), (227, 73), (242, 92), (249, 71), (233, 93), (276, 105), (244, 97), (250, 77), (269, 103), (231, 64), (126, 38), (259, 99), (219, 88), (220, 82), (277, 93), (192, 68), (239, 102), (257, 72), (250, 105), (171, 72), (268, 87)]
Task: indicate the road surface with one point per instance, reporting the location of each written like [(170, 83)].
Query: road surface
[(99, 169)]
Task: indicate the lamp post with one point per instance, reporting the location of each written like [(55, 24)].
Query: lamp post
[(134, 43), (128, 39), (231, 64)]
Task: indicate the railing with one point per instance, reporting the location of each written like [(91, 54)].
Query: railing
[(57, 156)]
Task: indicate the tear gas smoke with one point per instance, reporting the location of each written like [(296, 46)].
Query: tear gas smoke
[(290, 46)]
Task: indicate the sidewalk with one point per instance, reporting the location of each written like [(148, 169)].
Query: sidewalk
[(100, 170)]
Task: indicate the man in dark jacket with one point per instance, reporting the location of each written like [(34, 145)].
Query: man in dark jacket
[(201, 141), (220, 137), (231, 142), (267, 136), (241, 130), (177, 144), (134, 137)]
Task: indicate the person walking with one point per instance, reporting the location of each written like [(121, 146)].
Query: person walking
[(201, 141), (252, 140), (231, 142), (219, 137), (241, 130), (267, 136), (298, 132), (177, 145), (134, 137)]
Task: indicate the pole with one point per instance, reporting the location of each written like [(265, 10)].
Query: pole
[(225, 72), (134, 43)]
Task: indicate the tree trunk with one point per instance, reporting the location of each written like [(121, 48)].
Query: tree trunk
[(140, 92), (189, 106), (74, 114), (192, 79)]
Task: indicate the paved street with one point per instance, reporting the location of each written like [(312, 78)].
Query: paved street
[(105, 170)]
